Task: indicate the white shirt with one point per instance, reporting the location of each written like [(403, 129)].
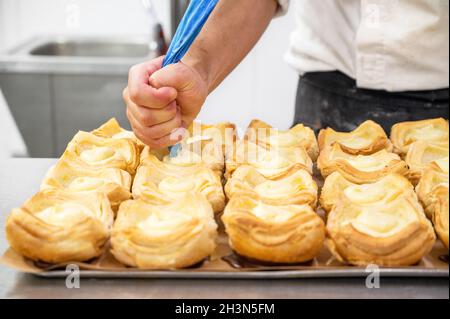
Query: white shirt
[(393, 45)]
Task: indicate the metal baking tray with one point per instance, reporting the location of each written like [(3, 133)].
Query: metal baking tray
[(224, 264)]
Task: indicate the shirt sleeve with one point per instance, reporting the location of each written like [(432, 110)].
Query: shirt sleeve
[(283, 6)]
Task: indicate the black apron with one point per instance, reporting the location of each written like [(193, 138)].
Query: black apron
[(331, 99)]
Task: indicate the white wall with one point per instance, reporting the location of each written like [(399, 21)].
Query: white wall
[(263, 86)]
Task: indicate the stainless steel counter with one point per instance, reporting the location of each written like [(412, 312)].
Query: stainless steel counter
[(19, 179)]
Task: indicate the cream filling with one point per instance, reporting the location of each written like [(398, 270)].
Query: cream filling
[(175, 185), (368, 163), (380, 224), (365, 194), (86, 184), (356, 142), (164, 223), (274, 189), (272, 214), (268, 163), (283, 139), (63, 214), (426, 133), (97, 154)]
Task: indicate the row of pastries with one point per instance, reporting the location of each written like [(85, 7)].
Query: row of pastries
[(271, 214), (374, 211), (382, 196)]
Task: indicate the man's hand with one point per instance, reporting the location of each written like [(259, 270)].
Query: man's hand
[(161, 100)]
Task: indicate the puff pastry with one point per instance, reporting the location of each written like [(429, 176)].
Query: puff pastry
[(112, 129), (396, 233), (406, 133), (421, 154), (223, 134), (360, 169), (366, 139), (259, 132), (438, 200), (99, 152), (435, 175), (277, 234), (56, 226), (295, 186), (161, 183), (177, 235), (271, 162), (67, 175), (384, 191)]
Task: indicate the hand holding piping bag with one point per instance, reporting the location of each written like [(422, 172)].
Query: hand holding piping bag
[(166, 94)]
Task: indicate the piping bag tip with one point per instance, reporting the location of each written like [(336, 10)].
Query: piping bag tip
[(174, 150)]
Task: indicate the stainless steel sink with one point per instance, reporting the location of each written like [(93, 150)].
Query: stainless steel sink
[(89, 48), (56, 86)]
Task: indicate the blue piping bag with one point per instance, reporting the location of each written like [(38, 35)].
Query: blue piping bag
[(190, 26)]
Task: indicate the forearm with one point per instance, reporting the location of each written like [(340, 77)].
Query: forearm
[(230, 33)]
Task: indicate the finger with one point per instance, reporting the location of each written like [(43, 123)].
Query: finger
[(149, 117), (176, 76), (141, 93), (163, 129), (137, 130), (153, 136), (168, 140)]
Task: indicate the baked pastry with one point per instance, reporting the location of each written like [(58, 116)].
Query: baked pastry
[(366, 139), (177, 235), (262, 133), (112, 129), (383, 191), (396, 233), (56, 226), (360, 169), (223, 134), (277, 234), (66, 175), (271, 162), (295, 186), (406, 133), (434, 175), (160, 183), (99, 152), (421, 154), (438, 200)]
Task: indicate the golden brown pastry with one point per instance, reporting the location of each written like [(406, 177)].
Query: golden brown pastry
[(366, 139), (434, 175), (295, 186), (438, 200), (406, 133), (177, 235), (102, 152), (277, 234), (271, 162), (360, 169), (66, 175), (112, 129), (262, 133), (421, 154), (396, 233), (161, 183), (56, 226), (383, 191), (223, 134)]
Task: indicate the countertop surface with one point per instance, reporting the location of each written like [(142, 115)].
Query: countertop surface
[(20, 178)]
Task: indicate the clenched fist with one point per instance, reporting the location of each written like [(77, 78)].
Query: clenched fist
[(161, 100)]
